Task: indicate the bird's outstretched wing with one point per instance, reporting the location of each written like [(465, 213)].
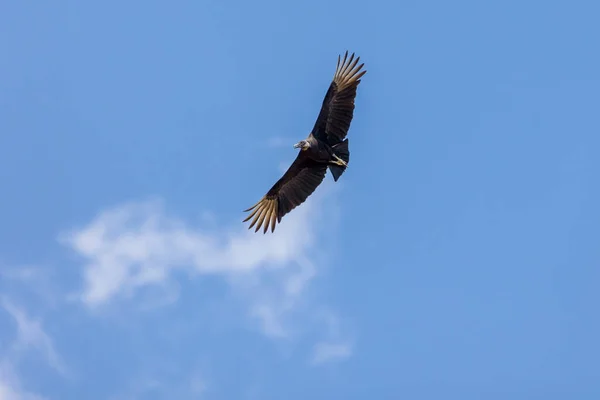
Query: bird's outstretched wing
[(292, 189), (337, 109)]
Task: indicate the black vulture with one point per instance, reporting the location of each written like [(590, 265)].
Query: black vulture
[(325, 147)]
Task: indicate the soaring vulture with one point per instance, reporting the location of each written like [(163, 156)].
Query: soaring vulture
[(325, 147)]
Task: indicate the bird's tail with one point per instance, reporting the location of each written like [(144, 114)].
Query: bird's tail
[(342, 151)]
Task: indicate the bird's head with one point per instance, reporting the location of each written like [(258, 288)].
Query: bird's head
[(302, 145)]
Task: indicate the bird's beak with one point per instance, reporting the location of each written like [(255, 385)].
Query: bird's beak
[(297, 145)]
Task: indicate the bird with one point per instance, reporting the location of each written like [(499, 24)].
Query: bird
[(325, 147)]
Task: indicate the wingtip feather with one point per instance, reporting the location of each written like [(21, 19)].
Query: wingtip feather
[(348, 72), (263, 214)]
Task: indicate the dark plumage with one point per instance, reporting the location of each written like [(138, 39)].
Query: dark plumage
[(326, 146)]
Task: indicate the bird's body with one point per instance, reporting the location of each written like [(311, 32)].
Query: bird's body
[(318, 150), (325, 147)]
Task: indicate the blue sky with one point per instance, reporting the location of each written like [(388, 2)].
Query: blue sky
[(457, 258)]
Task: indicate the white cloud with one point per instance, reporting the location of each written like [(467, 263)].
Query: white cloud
[(24, 274), (10, 387), (31, 335), (181, 385), (139, 389), (330, 351), (197, 385), (139, 245), (24, 281), (336, 347)]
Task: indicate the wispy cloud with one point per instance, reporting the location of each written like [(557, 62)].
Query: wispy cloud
[(31, 336), (24, 281), (140, 245), (336, 346), (139, 389), (24, 273), (10, 386), (331, 351), (187, 386)]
